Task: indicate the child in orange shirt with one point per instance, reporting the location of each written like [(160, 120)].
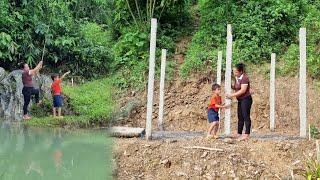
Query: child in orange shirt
[(56, 93), (213, 111)]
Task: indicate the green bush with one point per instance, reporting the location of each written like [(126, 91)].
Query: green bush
[(291, 57), (93, 51), (195, 58), (131, 54), (314, 131), (131, 48), (131, 51), (92, 99)]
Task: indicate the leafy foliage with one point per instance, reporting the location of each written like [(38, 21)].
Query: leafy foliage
[(68, 34), (312, 23), (131, 51), (259, 28), (90, 37)]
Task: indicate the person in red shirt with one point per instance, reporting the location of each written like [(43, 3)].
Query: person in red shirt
[(56, 93), (213, 111)]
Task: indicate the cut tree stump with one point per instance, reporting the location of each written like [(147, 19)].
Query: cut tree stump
[(128, 132)]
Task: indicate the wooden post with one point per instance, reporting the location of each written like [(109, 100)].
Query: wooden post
[(303, 84), (162, 78), (309, 132), (272, 91), (72, 82), (219, 67), (152, 60), (318, 151), (227, 122)]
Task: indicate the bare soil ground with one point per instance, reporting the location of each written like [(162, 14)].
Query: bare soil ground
[(170, 159)]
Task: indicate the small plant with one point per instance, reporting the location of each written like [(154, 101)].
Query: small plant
[(313, 170), (44, 109), (314, 131)]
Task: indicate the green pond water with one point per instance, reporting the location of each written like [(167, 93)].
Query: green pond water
[(54, 154)]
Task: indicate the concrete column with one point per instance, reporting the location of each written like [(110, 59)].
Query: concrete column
[(151, 77)]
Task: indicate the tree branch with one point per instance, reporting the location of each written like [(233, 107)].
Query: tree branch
[(153, 6), (134, 18), (138, 9)]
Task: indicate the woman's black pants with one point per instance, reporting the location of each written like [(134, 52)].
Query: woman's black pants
[(244, 107), (27, 93)]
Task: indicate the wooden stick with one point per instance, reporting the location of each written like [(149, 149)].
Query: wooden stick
[(318, 150), (309, 132), (44, 47), (219, 129), (204, 148), (42, 56), (219, 62), (277, 176)]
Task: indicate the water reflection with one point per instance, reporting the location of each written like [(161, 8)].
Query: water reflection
[(34, 153)]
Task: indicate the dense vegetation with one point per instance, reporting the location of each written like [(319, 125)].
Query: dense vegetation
[(70, 34), (96, 37), (90, 37), (259, 28)]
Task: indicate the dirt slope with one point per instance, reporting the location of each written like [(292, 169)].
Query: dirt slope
[(186, 102)]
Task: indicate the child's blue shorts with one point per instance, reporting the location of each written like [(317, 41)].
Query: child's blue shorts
[(57, 101), (213, 116)]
